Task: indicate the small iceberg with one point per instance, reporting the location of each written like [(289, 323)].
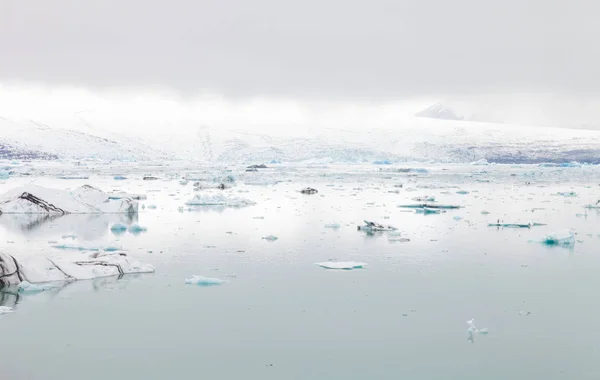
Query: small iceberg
[(333, 226), (474, 331), (136, 229), (511, 225), (6, 310), (203, 281), (309, 190), (427, 211), (26, 287), (462, 192), (270, 238), (375, 227), (119, 178), (219, 200), (432, 206), (118, 228), (564, 238), (424, 199), (567, 194), (341, 265)]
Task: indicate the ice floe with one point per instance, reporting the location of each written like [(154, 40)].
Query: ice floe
[(203, 281), (342, 265), (33, 199)]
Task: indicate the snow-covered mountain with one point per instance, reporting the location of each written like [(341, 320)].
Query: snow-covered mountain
[(30, 139), (350, 141)]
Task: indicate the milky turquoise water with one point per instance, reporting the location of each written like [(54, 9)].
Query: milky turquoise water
[(279, 316)]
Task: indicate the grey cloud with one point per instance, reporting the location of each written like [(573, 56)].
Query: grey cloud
[(329, 48)]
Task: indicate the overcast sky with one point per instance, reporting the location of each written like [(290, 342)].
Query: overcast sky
[(311, 48)]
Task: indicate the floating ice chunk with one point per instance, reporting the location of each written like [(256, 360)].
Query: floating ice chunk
[(563, 238), (137, 229), (567, 194), (28, 288), (69, 247), (333, 226), (219, 200), (462, 192), (151, 207), (6, 310), (427, 211), (458, 218), (203, 281), (345, 265), (511, 225), (424, 199), (382, 162), (473, 330), (33, 199), (270, 238), (119, 178), (432, 206), (524, 313), (118, 228), (309, 190), (375, 227)]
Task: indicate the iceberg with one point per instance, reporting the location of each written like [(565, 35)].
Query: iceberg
[(27, 271), (33, 199), (568, 194), (203, 281), (424, 199), (473, 330), (119, 178), (309, 190), (6, 310), (333, 226), (219, 200), (270, 238), (564, 238), (342, 265), (512, 225), (462, 192), (481, 162)]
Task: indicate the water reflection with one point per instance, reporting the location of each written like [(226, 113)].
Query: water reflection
[(87, 227)]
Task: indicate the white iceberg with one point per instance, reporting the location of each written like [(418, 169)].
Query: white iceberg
[(219, 200), (36, 269), (203, 281), (270, 238), (33, 199), (345, 265), (6, 310), (563, 238), (473, 330)]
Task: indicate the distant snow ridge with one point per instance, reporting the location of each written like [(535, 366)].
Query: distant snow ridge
[(33, 199), (439, 110)]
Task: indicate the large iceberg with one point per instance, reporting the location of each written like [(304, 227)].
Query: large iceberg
[(33, 199), (39, 269)]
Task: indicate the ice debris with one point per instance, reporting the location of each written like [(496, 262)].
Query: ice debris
[(424, 199), (219, 200), (119, 178), (33, 199), (473, 330), (462, 192), (344, 265), (6, 310), (309, 190), (427, 211), (203, 281), (567, 194), (270, 238), (333, 226)]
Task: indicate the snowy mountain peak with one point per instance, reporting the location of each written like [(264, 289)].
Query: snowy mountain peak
[(439, 110)]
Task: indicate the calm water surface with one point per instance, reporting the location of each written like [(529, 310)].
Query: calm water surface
[(281, 317)]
